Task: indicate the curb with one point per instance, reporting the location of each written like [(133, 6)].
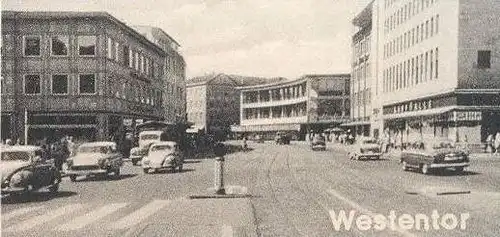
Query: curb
[(452, 193)]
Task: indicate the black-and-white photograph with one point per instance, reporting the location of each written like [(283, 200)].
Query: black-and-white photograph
[(250, 118)]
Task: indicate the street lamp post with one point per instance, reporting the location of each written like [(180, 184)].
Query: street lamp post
[(219, 151)]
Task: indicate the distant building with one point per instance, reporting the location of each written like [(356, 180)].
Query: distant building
[(174, 96), (213, 101), (84, 74), (312, 102)]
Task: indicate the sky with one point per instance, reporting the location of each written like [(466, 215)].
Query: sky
[(266, 38)]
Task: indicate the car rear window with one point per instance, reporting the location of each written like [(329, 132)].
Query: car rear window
[(161, 147), (94, 149), (15, 156)]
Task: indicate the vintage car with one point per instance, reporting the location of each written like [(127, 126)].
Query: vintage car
[(437, 154), (146, 138), (259, 139), (282, 138), (27, 168), (94, 158), (136, 155), (318, 143), (162, 156), (365, 148)]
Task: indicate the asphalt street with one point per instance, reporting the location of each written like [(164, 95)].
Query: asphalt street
[(294, 192)]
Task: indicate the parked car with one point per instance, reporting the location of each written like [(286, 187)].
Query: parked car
[(162, 156), (282, 138), (136, 155), (365, 148), (438, 154), (259, 139), (318, 143), (94, 158), (26, 169)]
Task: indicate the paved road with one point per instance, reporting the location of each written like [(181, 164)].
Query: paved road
[(295, 192)]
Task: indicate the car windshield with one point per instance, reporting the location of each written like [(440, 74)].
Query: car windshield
[(16, 156), (150, 137), (161, 148), (442, 145), (94, 149)]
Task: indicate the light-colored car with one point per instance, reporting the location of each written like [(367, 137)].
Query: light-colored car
[(27, 168), (365, 148), (318, 143), (136, 155), (94, 158), (162, 156), (435, 154)]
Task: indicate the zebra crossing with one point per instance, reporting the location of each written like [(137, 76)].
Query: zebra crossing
[(80, 216)]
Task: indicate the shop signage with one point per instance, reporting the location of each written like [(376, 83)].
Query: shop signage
[(412, 106), (465, 116)]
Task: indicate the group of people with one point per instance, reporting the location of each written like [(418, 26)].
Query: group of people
[(493, 143)]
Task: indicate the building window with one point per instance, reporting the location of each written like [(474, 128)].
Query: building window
[(484, 59), (432, 26), (32, 84), (32, 46), (59, 45), (126, 56), (59, 85), (131, 58), (136, 63), (436, 64), (117, 51), (86, 45), (437, 24), (109, 48), (86, 84)]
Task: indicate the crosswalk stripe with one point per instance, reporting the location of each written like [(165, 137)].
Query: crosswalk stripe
[(91, 217), (20, 212), (140, 215), (46, 217), (227, 231)]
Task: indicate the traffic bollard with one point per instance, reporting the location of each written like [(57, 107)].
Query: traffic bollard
[(219, 151), (219, 175)]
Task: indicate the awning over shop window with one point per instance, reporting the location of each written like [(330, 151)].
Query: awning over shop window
[(266, 128), (428, 112), (355, 123)]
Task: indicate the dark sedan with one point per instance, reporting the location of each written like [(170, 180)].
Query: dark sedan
[(435, 155)]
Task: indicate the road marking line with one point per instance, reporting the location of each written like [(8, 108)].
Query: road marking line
[(227, 231), (44, 218), (20, 212), (363, 210), (91, 217), (140, 215)]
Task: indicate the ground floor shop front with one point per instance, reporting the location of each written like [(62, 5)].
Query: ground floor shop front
[(81, 126)]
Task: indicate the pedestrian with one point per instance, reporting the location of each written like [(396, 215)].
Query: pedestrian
[(497, 142), (489, 143)]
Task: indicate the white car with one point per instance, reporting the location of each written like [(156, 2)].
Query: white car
[(163, 155), (94, 158), (365, 148)]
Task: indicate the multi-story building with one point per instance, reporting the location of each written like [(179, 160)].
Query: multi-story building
[(437, 72), (174, 98), (77, 73), (213, 101), (362, 71), (312, 102)]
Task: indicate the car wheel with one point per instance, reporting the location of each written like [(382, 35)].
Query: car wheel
[(54, 188), (405, 166), (146, 171), (459, 169), (117, 173), (72, 178), (180, 168), (425, 169), (134, 162)]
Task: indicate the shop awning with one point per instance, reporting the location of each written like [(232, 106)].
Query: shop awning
[(266, 128), (355, 123), (428, 112)]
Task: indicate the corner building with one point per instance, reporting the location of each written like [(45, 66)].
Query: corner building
[(439, 70), (76, 73)]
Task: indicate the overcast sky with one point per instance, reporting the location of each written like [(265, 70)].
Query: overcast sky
[(268, 38)]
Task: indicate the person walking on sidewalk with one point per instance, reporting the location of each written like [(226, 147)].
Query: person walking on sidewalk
[(497, 142)]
